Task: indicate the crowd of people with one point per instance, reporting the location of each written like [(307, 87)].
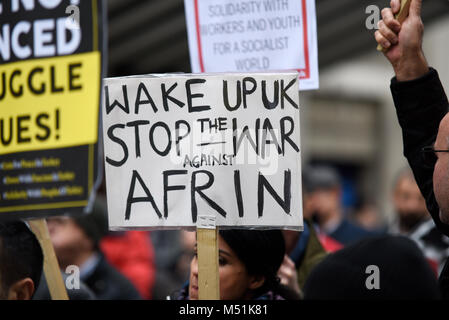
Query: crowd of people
[(334, 257)]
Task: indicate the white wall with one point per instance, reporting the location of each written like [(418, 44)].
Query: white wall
[(436, 48)]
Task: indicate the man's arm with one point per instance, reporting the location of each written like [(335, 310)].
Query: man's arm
[(402, 43), (420, 106), (418, 95)]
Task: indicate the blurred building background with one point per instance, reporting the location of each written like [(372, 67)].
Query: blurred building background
[(349, 122)]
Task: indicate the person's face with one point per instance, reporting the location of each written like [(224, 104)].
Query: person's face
[(409, 202), (324, 203), (441, 170), (68, 239), (235, 283)]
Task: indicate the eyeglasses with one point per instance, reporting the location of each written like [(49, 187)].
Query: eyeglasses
[(429, 156)]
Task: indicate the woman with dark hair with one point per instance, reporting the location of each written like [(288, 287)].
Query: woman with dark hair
[(248, 264)]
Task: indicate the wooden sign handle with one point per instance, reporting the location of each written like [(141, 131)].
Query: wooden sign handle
[(208, 276), (51, 267), (401, 16)]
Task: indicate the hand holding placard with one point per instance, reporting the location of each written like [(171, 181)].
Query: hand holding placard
[(404, 40), (400, 16)]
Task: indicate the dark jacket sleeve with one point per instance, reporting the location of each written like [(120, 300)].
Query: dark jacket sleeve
[(420, 106)]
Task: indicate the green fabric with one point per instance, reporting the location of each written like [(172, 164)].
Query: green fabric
[(313, 255)]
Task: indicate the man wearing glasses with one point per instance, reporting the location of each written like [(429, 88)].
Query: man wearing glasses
[(422, 106)]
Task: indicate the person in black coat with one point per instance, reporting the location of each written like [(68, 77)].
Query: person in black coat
[(421, 106), (109, 284), (378, 268)]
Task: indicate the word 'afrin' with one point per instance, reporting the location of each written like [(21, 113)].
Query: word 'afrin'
[(197, 188)]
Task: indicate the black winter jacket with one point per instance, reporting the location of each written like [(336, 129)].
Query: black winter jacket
[(420, 106)]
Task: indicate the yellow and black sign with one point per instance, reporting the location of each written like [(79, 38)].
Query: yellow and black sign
[(51, 66)]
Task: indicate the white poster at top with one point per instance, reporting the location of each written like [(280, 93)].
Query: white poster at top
[(254, 35)]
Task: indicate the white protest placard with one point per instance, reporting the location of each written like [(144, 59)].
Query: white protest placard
[(254, 35), (182, 146)]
